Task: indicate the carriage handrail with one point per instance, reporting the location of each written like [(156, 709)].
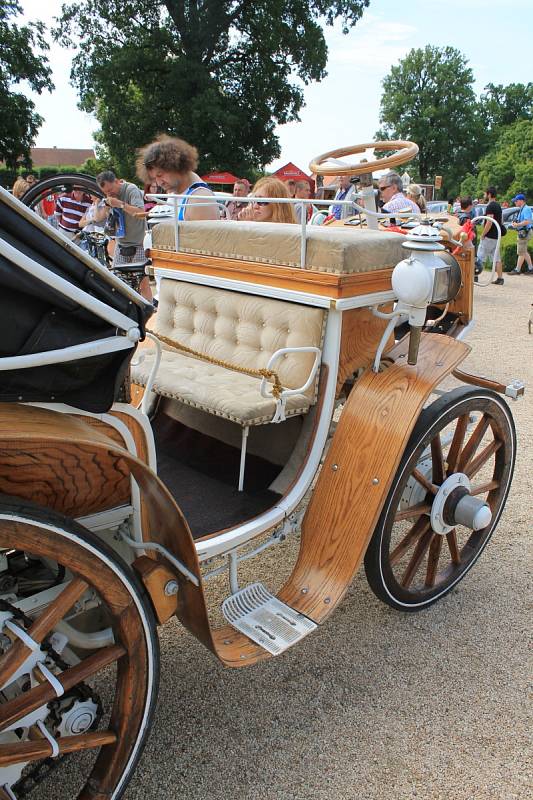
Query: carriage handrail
[(111, 344)]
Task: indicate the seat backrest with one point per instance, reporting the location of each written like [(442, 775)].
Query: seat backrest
[(240, 329)]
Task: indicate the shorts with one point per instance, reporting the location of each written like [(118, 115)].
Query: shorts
[(69, 234), (521, 244), (487, 250), (138, 256)]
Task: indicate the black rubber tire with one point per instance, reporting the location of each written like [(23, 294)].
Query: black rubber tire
[(434, 418), (12, 509), (55, 183)]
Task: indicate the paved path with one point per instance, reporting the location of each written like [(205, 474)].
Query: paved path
[(376, 704)]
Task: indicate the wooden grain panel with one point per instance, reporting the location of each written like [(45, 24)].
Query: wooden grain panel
[(361, 333), (67, 478), (464, 302), (325, 284), (137, 394)]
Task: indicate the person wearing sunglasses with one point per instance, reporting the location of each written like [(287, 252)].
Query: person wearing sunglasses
[(263, 211), (391, 192)]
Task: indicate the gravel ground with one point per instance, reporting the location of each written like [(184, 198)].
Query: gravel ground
[(376, 704)]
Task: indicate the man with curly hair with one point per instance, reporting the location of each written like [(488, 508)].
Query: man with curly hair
[(171, 163)]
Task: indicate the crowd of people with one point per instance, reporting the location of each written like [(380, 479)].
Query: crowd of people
[(484, 237), (168, 166)]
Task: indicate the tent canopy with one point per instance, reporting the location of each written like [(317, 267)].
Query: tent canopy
[(291, 172), (220, 178)]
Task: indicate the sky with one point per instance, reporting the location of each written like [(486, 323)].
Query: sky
[(343, 109)]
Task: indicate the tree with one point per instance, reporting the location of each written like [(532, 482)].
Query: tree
[(22, 58), (505, 105), (428, 98), (509, 164), (219, 73)]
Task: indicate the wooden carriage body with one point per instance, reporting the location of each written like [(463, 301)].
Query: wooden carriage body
[(220, 283), (273, 363)]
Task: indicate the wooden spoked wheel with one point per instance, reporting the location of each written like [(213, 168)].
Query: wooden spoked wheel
[(411, 562), (406, 152), (93, 704)]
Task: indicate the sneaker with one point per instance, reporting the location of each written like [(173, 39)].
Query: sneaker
[(528, 272), (498, 282), (515, 272)]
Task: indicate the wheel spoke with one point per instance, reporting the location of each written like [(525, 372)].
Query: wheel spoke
[(412, 536), (433, 559), (416, 558), (18, 652), (29, 701), (451, 538), (473, 443), (414, 511), (485, 487), (437, 460), (473, 466), (457, 443), (41, 748), (423, 481)]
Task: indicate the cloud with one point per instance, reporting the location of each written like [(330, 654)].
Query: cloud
[(374, 41)]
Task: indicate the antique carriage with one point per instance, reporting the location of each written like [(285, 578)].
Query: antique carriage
[(273, 392)]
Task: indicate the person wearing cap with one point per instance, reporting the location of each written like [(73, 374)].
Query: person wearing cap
[(524, 227)]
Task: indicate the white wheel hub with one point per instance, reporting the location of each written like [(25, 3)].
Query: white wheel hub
[(78, 719), (467, 510)]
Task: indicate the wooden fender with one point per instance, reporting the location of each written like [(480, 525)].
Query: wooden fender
[(369, 441)]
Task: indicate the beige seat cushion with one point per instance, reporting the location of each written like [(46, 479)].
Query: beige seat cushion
[(242, 331), (214, 389), (337, 250)]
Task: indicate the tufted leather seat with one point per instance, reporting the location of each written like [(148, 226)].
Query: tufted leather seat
[(241, 330)]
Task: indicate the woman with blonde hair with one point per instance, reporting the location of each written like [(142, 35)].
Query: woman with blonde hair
[(171, 163), (261, 211), (414, 193), (20, 187)]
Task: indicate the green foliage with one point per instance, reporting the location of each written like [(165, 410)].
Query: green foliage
[(22, 58), (428, 98), (94, 166), (468, 186), (219, 73), (508, 250), (8, 175), (509, 164), (505, 105)]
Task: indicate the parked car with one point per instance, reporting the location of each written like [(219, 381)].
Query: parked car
[(509, 215), (437, 207)]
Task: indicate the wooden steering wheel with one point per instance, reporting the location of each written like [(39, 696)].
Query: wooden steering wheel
[(406, 152)]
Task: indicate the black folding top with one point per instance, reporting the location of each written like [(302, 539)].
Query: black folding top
[(34, 317)]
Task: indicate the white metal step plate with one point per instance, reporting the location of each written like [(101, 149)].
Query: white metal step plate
[(266, 620)]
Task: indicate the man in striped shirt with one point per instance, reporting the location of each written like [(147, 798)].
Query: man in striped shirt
[(70, 208)]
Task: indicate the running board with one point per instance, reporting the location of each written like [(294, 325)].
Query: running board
[(266, 620)]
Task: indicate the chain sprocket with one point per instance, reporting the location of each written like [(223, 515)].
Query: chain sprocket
[(81, 692)]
